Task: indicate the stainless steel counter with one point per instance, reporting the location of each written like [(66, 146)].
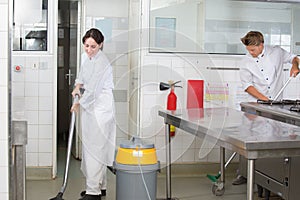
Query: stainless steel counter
[(279, 175), (249, 135)]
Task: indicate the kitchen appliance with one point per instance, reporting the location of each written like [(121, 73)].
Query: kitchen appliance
[(279, 175)]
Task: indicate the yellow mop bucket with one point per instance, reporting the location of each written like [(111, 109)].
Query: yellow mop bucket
[(136, 168)]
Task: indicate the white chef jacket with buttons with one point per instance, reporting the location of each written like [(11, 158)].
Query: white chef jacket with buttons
[(265, 72)]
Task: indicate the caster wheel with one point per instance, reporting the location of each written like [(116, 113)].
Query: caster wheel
[(218, 189)]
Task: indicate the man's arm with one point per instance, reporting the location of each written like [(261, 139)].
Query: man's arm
[(295, 67), (255, 93)]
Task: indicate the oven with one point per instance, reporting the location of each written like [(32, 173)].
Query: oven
[(280, 175)]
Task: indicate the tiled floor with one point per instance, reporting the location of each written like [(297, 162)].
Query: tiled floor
[(184, 188)]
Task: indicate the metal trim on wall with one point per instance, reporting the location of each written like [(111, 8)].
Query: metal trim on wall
[(9, 56)]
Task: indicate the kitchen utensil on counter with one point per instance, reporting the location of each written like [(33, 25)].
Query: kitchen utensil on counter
[(283, 87)]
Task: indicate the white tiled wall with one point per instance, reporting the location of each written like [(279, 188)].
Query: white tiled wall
[(4, 164), (32, 98)]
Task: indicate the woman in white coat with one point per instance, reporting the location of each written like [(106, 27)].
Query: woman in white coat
[(97, 115)]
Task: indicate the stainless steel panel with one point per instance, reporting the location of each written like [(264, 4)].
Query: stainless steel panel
[(19, 133), (272, 167), (294, 178), (252, 136), (269, 183), (276, 112), (18, 160)]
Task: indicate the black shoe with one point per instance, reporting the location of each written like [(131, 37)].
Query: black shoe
[(90, 197), (239, 180), (103, 193)]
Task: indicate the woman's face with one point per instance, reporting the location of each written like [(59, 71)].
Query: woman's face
[(91, 47)]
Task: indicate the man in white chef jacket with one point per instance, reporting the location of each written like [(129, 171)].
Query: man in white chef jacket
[(261, 69), (261, 72)]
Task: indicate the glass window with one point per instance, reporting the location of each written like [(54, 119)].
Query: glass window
[(216, 26), (30, 25)]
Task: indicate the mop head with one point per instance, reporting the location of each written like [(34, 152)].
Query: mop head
[(58, 196)]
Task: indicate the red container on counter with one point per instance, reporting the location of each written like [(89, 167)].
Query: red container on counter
[(195, 94)]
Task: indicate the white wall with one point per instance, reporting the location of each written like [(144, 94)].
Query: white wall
[(4, 107), (112, 8), (116, 49)]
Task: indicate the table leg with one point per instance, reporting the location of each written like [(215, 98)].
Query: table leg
[(218, 188), (250, 179), (222, 161), (168, 161)]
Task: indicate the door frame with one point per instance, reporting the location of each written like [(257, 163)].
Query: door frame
[(81, 18)]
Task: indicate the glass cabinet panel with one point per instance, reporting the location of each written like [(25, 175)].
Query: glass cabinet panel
[(30, 25), (216, 26)]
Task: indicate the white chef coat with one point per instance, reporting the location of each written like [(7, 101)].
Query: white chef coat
[(265, 72), (97, 118)]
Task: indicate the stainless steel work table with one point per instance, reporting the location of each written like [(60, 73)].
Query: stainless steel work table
[(249, 135)]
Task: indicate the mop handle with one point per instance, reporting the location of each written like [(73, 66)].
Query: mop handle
[(70, 139)]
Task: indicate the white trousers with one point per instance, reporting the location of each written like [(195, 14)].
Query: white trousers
[(95, 176)]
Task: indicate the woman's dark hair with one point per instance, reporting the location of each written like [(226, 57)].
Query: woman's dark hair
[(95, 34), (253, 38)]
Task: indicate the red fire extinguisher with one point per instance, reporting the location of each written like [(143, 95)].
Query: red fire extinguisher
[(172, 100)]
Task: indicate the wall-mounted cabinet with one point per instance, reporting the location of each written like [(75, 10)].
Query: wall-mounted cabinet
[(30, 25)]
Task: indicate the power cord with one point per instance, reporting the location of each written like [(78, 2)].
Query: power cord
[(141, 170)]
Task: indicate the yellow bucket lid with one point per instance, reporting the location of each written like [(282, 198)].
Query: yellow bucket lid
[(135, 152)]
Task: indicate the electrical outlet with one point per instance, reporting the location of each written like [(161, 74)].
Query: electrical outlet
[(35, 66), (43, 65)]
